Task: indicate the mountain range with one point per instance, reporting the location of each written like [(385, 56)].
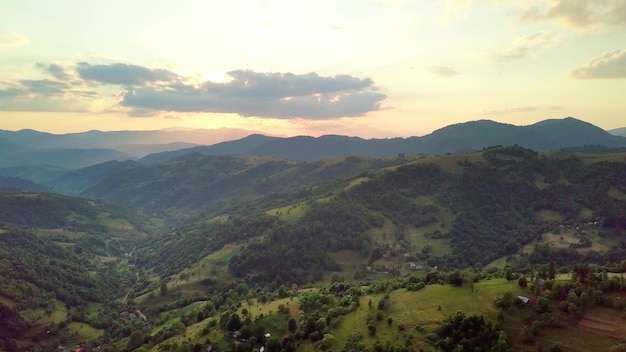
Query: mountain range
[(77, 150), (44, 157), (618, 132), (183, 239), (546, 135)]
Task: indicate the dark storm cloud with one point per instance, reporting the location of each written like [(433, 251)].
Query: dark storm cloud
[(124, 74), (278, 95)]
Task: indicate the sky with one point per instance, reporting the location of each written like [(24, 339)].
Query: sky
[(369, 68)]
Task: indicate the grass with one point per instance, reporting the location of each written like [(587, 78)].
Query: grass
[(58, 315), (70, 235), (564, 239), (272, 322), (350, 261), (616, 193), (213, 266), (167, 325), (114, 223), (357, 181), (290, 212), (550, 216), (498, 263), (585, 214), (193, 307), (419, 239), (93, 309), (257, 308), (426, 308), (84, 332)]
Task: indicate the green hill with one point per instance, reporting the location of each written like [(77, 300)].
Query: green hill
[(60, 256), (260, 241), (449, 212)]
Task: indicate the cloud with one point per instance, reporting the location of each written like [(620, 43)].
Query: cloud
[(526, 45), (124, 74), (580, 14), (524, 109), (607, 65), (149, 92), (29, 89), (443, 71), (254, 94), (45, 86), (10, 93), (55, 70), (13, 40)]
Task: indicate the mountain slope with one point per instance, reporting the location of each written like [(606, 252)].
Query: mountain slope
[(59, 158), (59, 256), (77, 181), (241, 146), (618, 132), (41, 174), (192, 183), (118, 140), (547, 135), (449, 212)]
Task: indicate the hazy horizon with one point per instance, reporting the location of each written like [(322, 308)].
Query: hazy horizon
[(182, 128)]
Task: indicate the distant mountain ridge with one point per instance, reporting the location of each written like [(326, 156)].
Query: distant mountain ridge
[(28, 153), (618, 132), (547, 135), (30, 148)]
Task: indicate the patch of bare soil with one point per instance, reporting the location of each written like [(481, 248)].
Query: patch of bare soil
[(610, 323)]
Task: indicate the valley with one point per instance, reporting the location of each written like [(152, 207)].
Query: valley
[(238, 252)]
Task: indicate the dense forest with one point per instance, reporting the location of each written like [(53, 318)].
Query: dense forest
[(494, 201), (324, 239)]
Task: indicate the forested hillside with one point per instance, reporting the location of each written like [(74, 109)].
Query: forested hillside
[(60, 257), (481, 206), (195, 183), (264, 229)]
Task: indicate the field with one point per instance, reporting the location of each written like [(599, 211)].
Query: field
[(415, 315), (605, 322), (213, 266), (564, 239), (419, 313), (616, 193), (290, 212), (38, 315), (84, 332)]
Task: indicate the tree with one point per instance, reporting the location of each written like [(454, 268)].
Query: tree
[(163, 289), (522, 282), (381, 304), (234, 323), (292, 324), (455, 278), (272, 344), (135, 340), (371, 329)]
